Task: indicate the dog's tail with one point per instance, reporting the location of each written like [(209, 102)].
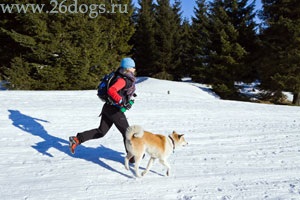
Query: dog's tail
[(134, 131)]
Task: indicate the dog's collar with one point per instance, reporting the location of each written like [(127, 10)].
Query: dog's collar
[(172, 143)]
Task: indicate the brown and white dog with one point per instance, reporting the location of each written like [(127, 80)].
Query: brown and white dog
[(158, 146)]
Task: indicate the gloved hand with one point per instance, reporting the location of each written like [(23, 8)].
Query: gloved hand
[(127, 105)]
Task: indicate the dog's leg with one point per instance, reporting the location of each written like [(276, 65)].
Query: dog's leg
[(137, 165), (150, 163), (165, 163), (127, 158)]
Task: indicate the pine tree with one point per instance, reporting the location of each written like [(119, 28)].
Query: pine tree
[(280, 63), (164, 36), (80, 48), (184, 50), (26, 35), (228, 51), (144, 41), (181, 41), (119, 30), (8, 48), (242, 15), (200, 40), (226, 54), (64, 50), (56, 56)]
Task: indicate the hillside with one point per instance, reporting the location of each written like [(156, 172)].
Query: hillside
[(236, 150)]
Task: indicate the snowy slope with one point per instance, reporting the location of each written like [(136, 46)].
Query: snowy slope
[(236, 150)]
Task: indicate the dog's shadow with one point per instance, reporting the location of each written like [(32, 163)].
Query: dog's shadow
[(141, 169), (98, 155), (34, 127)]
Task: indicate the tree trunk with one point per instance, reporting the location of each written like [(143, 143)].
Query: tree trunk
[(296, 98)]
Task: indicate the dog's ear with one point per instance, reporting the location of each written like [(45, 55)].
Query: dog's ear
[(179, 136), (174, 132)]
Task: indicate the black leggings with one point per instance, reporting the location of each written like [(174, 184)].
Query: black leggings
[(110, 115)]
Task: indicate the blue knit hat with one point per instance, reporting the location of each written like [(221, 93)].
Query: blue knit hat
[(127, 63)]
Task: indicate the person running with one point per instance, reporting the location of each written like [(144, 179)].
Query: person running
[(121, 91)]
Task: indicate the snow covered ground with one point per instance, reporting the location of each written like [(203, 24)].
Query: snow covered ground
[(254, 92), (236, 150)]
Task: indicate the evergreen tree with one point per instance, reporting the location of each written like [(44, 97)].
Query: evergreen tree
[(226, 53), (8, 48), (176, 63), (165, 31), (120, 29), (229, 52), (81, 49), (184, 50), (64, 50), (144, 41), (24, 31), (280, 63), (242, 15), (200, 41), (58, 50)]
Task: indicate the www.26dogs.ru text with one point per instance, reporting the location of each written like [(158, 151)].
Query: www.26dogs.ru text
[(64, 7)]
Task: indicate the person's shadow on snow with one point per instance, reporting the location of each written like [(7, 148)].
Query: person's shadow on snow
[(33, 126)]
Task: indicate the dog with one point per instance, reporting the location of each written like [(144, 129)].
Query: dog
[(157, 146)]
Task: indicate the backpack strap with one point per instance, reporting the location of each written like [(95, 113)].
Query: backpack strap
[(119, 75)]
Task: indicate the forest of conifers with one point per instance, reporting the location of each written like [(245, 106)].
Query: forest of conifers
[(224, 42)]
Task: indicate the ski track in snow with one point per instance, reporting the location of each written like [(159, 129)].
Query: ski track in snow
[(236, 150)]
